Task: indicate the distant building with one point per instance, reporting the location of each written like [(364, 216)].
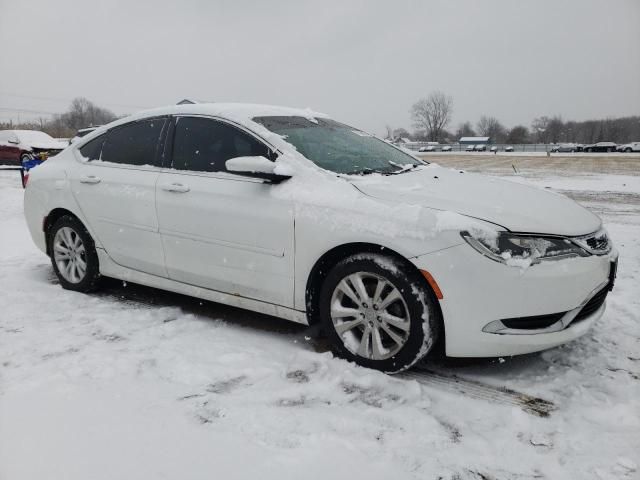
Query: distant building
[(474, 140)]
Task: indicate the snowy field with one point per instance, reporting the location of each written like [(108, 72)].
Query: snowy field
[(133, 383)]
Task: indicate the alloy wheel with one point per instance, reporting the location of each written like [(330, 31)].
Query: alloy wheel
[(370, 315), (70, 255)]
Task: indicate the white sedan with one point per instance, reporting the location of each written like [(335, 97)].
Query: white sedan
[(290, 213)]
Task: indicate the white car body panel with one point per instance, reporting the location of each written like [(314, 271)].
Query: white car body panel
[(514, 206), (244, 233), (238, 241), (121, 209)]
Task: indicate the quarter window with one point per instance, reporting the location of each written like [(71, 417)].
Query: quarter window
[(133, 144), (92, 149), (204, 145)]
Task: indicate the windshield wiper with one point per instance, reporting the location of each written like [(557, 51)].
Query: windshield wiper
[(405, 168), (367, 171)]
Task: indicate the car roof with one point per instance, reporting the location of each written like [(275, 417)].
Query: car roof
[(240, 112)]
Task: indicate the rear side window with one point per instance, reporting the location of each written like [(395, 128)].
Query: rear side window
[(204, 145), (92, 150), (133, 144)]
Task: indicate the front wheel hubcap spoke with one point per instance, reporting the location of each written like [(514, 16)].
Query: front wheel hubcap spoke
[(356, 280), (370, 316), (377, 350), (346, 326), (346, 289), (363, 349), (397, 322)]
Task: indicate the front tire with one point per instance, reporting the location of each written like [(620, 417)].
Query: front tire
[(73, 255), (378, 312)]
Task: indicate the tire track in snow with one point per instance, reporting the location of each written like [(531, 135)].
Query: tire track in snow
[(481, 391)]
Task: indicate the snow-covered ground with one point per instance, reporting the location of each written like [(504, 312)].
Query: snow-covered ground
[(134, 383)]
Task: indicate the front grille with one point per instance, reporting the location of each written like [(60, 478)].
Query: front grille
[(534, 322), (592, 305)]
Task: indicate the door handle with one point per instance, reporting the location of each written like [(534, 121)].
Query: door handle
[(91, 179), (175, 187)]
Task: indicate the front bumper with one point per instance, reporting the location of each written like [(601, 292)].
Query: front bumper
[(479, 293)]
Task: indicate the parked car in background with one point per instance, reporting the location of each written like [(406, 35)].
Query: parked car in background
[(629, 147), (481, 147), (600, 147), (342, 238), (493, 149), (18, 146), (565, 148), (508, 149), (82, 132), (428, 148), (470, 148), (446, 148)]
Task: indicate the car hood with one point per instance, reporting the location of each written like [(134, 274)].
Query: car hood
[(514, 206), (52, 145)]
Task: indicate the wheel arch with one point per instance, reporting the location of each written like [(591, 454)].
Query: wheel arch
[(52, 217), (330, 258)]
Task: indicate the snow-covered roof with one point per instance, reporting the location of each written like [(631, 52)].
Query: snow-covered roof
[(232, 111), (29, 136), (240, 113), (474, 139)]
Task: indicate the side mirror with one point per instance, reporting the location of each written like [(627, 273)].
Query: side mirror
[(257, 167)]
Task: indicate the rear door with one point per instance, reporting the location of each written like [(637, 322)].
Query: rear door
[(220, 230), (114, 184)]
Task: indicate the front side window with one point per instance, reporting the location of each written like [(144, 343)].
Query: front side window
[(133, 144), (338, 147), (204, 145)]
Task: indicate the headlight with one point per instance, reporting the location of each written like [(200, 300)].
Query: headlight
[(506, 247)]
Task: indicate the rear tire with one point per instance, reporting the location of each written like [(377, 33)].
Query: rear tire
[(378, 312), (73, 255)]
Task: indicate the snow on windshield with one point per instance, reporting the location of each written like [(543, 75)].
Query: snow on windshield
[(337, 147)]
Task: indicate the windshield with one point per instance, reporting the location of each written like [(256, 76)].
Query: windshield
[(338, 147)]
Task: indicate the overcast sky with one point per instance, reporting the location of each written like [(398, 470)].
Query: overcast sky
[(363, 62)]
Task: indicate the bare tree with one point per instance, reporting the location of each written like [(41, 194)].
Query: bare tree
[(539, 128), (491, 127), (555, 130), (465, 130), (518, 134), (432, 114)]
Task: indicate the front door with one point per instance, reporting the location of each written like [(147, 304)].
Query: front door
[(115, 187), (220, 230)]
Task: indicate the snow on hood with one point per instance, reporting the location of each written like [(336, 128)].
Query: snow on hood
[(36, 139), (514, 206)]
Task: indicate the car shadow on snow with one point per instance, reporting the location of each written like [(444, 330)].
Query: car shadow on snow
[(493, 370)]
